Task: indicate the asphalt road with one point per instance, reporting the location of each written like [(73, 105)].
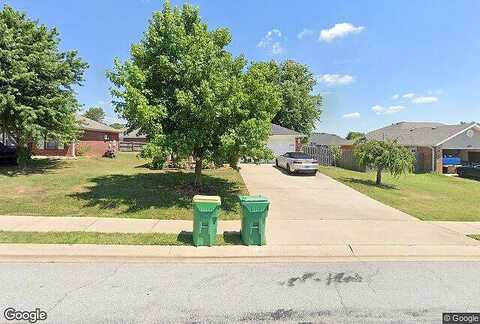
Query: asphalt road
[(376, 292)]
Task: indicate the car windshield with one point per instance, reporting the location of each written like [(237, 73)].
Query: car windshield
[(299, 155)]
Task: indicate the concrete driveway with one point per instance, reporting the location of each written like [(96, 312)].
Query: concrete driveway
[(307, 210)]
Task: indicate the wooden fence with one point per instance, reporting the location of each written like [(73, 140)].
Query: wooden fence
[(321, 153), (130, 146)]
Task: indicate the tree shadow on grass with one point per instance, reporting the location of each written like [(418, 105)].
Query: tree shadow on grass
[(229, 237), (232, 237), (144, 191), (366, 182), (40, 166)]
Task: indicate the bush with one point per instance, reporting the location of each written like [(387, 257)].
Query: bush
[(157, 155), (82, 150)]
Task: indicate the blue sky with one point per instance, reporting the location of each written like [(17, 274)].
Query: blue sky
[(377, 62)]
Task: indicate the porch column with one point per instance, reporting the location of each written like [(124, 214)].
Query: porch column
[(438, 163)]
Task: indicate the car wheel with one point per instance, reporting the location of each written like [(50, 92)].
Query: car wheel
[(288, 169)]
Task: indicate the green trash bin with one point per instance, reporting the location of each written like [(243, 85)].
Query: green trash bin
[(205, 214), (254, 213)]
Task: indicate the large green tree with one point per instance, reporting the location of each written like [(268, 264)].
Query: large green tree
[(301, 108), (95, 113), (251, 126), (36, 82), (384, 156), (184, 90)]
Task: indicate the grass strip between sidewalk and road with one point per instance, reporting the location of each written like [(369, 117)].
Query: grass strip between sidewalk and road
[(184, 238), (475, 236)]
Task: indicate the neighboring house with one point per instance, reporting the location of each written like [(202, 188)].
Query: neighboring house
[(325, 139), (431, 142), (96, 138), (284, 140), (133, 136), (319, 147)]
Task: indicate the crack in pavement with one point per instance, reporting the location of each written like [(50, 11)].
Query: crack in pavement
[(340, 298), (88, 284)]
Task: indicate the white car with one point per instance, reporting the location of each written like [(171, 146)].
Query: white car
[(297, 162)]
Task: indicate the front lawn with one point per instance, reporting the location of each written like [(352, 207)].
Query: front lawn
[(102, 187), (425, 196)]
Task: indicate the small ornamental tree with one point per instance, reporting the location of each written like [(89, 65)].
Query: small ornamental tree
[(384, 156), (95, 113), (336, 153), (37, 82)]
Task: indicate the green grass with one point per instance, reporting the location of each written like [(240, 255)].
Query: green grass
[(184, 238), (122, 187), (475, 236), (425, 196)]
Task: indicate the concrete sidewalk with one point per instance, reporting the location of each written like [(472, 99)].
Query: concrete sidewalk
[(279, 232), (103, 224)]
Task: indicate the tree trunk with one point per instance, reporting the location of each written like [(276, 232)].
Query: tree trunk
[(24, 153), (198, 172), (379, 177), (233, 161)]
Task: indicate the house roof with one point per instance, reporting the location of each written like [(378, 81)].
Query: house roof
[(279, 130), (133, 134), (418, 134), (326, 139), (90, 124)]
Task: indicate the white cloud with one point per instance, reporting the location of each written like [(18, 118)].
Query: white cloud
[(335, 79), (395, 97), (351, 115), (424, 100), (271, 41), (305, 33), (339, 31), (408, 95), (380, 110)]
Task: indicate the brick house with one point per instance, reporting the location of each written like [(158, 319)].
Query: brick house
[(95, 140), (431, 143)]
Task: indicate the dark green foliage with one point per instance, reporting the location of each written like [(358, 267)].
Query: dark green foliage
[(300, 107), (95, 113), (36, 82)]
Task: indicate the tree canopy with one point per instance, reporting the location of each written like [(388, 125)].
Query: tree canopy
[(117, 125), (300, 109), (384, 156), (95, 113), (188, 94), (36, 82), (354, 135)]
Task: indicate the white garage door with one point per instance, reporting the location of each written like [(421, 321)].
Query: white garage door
[(281, 145)]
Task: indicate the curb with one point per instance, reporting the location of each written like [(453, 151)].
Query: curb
[(86, 253)]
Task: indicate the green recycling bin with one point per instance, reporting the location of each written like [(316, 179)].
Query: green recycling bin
[(254, 213), (205, 214)]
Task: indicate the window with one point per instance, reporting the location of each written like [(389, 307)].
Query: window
[(53, 145)]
